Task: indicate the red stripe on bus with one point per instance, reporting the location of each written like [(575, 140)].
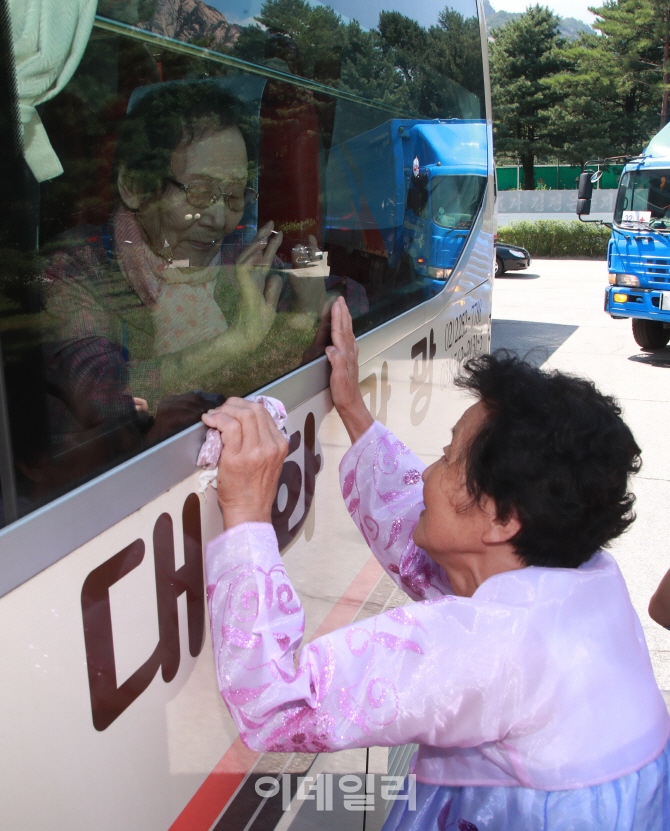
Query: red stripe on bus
[(218, 789)]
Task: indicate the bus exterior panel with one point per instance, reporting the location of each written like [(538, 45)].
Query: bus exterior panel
[(111, 711), (168, 739)]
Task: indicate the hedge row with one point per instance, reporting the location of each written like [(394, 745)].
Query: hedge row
[(550, 238)]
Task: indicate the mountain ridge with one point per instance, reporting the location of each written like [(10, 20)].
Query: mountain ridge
[(570, 27), (192, 20)]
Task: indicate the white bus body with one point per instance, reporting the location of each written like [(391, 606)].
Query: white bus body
[(111, 716)]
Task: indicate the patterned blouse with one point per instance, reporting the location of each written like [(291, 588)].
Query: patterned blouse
[(531, 700)]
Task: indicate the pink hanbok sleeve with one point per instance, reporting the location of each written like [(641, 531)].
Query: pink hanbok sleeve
[(383, 490), (412, 674)]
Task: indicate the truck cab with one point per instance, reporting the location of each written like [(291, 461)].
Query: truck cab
[(408, 226), (638, 253), (443, 198)]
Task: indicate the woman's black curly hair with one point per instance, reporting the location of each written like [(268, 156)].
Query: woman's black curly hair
[(555, 452)]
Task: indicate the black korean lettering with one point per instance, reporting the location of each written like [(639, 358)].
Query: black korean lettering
[(369, 387), (292, 478), (108, 700), (421, 385)]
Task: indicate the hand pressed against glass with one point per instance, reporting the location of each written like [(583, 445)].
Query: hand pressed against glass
[(344, 387)]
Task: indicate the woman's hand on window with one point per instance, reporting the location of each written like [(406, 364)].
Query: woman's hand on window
[(251, 460), (343, 357)]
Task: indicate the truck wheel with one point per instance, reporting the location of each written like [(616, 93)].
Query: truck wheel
[(650, 334), (500, 267)]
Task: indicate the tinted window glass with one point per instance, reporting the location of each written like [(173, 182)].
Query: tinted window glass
[(198, 188), (647, 192), (455, 199)]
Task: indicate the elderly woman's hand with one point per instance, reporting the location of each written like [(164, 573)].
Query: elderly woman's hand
[(343, 357), (258, 301), (251, 460)]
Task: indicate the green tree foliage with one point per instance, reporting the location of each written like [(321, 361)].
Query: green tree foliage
[(441, 65), (402, 66), (368, 72), (601, 95), (403, 42), (316, 35), (525, 54), (602, 111), (615, 90), (637, 35)]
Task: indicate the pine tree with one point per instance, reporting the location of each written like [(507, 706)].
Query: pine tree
[(441, 66), (315, 32), (637, 34), (602, 111), (525, 53)]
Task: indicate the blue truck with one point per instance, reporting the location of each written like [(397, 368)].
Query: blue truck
[(401, 200), (638, 253)]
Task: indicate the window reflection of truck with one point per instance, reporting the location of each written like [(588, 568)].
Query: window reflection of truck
[(401, 200), (638, 253)]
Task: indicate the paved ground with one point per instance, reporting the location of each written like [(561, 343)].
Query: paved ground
[(557, 306)]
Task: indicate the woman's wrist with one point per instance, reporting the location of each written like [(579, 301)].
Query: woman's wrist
[(356, 421), (238, 515)]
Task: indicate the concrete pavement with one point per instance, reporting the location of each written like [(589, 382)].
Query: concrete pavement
[(556, 309)]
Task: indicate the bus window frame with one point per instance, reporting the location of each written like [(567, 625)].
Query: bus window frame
[(48, 534), (53, 531), (152, 39)]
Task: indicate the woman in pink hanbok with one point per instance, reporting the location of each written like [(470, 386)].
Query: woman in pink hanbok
[(521, 671)]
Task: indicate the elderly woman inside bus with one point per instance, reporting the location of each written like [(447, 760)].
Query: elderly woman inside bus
[(134, 308), (155, 316), (521, 671)]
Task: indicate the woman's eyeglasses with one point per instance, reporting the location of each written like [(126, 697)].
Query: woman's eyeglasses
[(204, 194)]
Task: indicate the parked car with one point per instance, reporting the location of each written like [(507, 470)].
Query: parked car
[(510, 258)]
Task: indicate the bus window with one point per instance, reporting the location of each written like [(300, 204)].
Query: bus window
[(220, 187)]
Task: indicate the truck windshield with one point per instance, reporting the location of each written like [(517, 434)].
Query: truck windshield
[(644, 196), (455, 200)]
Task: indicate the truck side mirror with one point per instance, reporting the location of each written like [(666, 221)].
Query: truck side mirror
[(416, 200), (417, 195), (585, 190), (584, 194)]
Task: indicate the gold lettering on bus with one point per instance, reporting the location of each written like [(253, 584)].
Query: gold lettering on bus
[(369, 387)]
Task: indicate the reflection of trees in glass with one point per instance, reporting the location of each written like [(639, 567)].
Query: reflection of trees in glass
[(126, 11), (441, 65), (433, 72), (316, 34)]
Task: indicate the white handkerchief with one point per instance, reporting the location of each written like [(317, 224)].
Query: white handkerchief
[(208, 458)]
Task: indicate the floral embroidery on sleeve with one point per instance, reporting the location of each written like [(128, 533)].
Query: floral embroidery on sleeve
[(343, 693), (382, 488)]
